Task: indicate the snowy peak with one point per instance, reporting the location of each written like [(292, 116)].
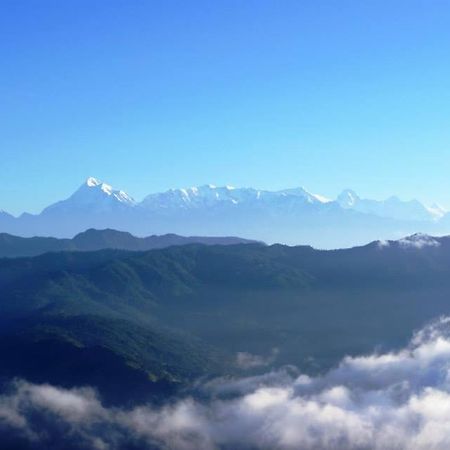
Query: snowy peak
[(210, 195), (321, 198), (93, 182), (437, 211), (93, 196), (304, 194), (98, 189), (193, 197), (392, 207), (348, 199)]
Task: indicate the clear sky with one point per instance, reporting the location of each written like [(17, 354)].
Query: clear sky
[(149, 95)]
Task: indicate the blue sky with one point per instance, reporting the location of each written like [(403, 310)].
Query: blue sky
[(149, 95)]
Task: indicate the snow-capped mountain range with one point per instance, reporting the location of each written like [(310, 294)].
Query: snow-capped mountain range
[(293, 216), (210, 196), (392, 207)]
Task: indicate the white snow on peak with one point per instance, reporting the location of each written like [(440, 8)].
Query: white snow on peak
[(321, 198), (437, 211), (302, 193), (92, 182), (119, 195), (210, 195), (348, 199), (93, 196), (123, 197), (97, 195), (107, 189), (393, 207)]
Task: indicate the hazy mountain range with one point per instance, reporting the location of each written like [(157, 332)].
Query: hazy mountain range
[(289, 216), (92, 240)]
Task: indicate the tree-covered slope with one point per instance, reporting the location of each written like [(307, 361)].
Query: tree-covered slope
[(91, 240), (165, 317)]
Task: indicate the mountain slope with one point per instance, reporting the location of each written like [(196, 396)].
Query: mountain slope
[(91, 240), (392, 207), (170, 315), (93, 196), (210, 196)]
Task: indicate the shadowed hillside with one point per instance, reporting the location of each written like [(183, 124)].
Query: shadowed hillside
[(91, 240), (167, 316)]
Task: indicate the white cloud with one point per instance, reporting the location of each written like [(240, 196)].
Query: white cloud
[(419, 241), (383, 244), (245, 360), (396, 400)]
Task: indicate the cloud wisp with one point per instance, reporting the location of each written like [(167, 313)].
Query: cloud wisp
[(396, 400), (245, 360)]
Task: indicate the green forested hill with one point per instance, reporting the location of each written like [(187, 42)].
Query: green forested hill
[(91, 240), (156, 320)]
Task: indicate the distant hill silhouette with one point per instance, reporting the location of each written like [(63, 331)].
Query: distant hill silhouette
[(91, 240)]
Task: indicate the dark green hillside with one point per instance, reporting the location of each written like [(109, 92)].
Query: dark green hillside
[(92, 240), (153, 321)]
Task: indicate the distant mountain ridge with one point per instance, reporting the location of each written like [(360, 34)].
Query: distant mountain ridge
[(211, 196), (292, 216), (392, 207), (93, 240)]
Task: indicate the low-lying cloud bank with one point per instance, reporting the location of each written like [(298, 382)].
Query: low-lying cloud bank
[(387, 401)]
